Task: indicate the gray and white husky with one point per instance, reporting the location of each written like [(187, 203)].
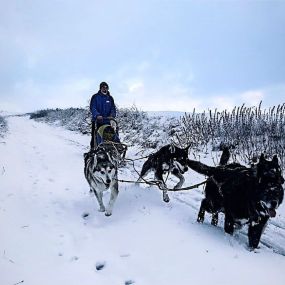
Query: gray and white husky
[(101, 172)]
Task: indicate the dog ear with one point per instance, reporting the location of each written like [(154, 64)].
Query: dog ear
[(262, 158), (187, 147), (172, 148), (275, 159)]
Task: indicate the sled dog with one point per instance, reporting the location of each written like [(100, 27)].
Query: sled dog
[(169, 158), (241, 193), (101, 172)]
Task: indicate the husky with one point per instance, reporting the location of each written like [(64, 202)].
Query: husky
[(241, 193), (169, 158), (101, 172)]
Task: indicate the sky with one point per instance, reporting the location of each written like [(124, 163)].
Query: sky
[(159, 55)]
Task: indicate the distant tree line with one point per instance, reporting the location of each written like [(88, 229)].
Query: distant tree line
[(3, 126)]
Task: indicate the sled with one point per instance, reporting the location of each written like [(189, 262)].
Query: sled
[(108, 135)]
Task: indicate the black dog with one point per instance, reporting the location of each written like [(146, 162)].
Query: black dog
[(240, 193), (213, 201), (171, 159)]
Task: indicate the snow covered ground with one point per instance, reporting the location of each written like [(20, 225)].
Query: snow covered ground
[(45, 239)]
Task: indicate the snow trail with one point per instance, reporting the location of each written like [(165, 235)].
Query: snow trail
[(46, 239)]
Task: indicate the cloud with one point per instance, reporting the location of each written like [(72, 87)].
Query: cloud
[(35, 96), (150, 87), (136, 87), (158, 96), (230, 100), (270, 96), (72, 93), (141, 82), (221, 102), (54, 54), (252, 97), (173, 90)]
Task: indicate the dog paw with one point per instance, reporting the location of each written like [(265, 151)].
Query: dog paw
[(166, 199), (254, 249), (200, 220), (102, 209), (107, 214)]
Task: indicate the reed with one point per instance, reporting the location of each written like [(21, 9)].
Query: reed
[(248, 131)]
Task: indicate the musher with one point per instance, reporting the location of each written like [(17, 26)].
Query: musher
[(103, 110)]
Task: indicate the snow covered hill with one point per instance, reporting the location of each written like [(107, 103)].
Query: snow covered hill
[(47, 239)]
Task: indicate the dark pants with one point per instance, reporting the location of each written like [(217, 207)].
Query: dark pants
[(93, 135)]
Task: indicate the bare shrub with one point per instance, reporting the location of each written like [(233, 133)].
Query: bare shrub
[(249, 131), (3, 126)]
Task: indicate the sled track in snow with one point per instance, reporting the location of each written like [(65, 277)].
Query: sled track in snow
[(274, 232)]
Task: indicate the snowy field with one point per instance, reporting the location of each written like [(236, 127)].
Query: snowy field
[(45, 239)]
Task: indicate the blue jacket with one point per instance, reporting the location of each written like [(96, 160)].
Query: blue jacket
[(102, 105)]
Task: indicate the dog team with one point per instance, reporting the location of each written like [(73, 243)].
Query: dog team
[(240, 193)]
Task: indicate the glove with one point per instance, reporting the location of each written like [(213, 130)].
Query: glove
[(99, 119)]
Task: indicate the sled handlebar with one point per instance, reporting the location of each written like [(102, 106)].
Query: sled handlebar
[(112, 120)]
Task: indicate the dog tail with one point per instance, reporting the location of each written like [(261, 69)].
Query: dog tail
[(219, 172), (201, 167), (209, 170), (225, 156)]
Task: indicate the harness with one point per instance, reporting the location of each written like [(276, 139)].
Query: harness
[(155, 182)]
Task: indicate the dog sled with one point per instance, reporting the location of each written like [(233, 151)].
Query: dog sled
[(107, 136)]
